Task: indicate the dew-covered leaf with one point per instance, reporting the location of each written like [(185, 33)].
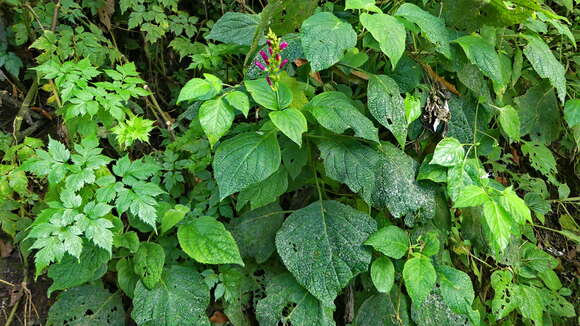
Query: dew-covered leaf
[(482, 54), (545, 64), (287, 301), (387, 106), (384, 310), (179, 299), (265, 192), (434, 311), (432, 27), (325, 38), (87, 305), (539, 113), (235, 27), (322, 246), (245, 160), (449, 152)]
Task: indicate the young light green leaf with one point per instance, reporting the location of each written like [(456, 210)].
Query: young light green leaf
[(173, 216), (325, 38), (482, 54), (291, 122), (572, 112), (545, 64), (148, 263), (238, 101), (207, 241), (449, 152), (515, 206), (216, 118), (133, 129), (387, 106), (196, 89), (322, 246), (245, 160), (509, 120), (471, 196), (180, 299), (392, 43), (390, 240), (235, 27), (383, 274), (432, 27), (420, 276), (263, 94), (334, 111), (499, 223), (412, 108), (362, 4)]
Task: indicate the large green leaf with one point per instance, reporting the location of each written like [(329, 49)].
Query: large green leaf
[(282, 292), (179, 299), (335, 112), (245, 160), (207, 241), (71, 272), (572, 112), (264, 221), (434, 311), (397, 190), (545, 64), (325, 38), (235, 27), (539, 114), (391, 43), (456, 289), (390, 240), (216, 118), (148, 263), (387, 106), (322, 246), (482, 54), (433, 27), (87, 305), (265, 192), (420, 276), (384, 310), (291, 122), (351, 163)]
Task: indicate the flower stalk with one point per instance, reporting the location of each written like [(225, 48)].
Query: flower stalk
[(273, 62)]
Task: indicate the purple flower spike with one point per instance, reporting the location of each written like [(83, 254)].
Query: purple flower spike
[(278, 57), (283, 45), (264, 56), (269, 42), (269, 81), (284, 62), (270, 50), (261, 66)]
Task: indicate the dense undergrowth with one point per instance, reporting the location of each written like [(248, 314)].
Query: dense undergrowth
[(293, 162)]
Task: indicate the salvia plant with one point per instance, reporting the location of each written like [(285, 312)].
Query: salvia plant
[(289, 162)]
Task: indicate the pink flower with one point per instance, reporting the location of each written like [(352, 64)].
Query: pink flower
[(261, 66), (269, 80), (264, 56), (283, 45), (284, 62)]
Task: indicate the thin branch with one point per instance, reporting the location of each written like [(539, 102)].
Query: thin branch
[(24, 110)]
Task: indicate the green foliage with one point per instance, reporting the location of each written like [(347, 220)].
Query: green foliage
[(293, 162)]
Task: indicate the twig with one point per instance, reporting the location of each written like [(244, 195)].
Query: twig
[(55, 16), (164, 116), (24, 109), (7, 283)]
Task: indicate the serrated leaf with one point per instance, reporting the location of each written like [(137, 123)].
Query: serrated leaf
[(390, 240), (216, 118), (351, 163), (387, 106), (420, 276), (509, 120), (234, 27), (238, 101), (392, 43), (173, 216), (539, 113), (264, 95), (325, 38), (383, 274), (471, 196), (449, 152), (384, 310), (305, 309), (515, 206), (179, 299), (572, 112), (148, 263), (433, 27), (264, 221), (87, 305), (541, 158), (434, 311), (265, 192), (499, 224), (456, 289), (334, 111), (291, 122), (322, 246), (482, 54), (245, 160), (545, 64), (207, 241)]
